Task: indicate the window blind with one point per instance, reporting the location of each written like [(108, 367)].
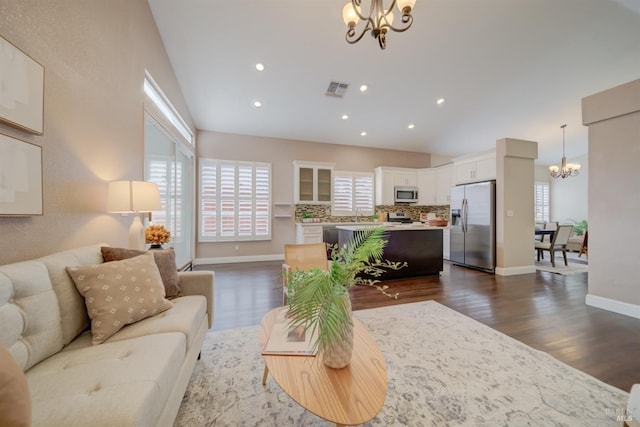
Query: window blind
[(352, 193), (235, 200), (541, 194)]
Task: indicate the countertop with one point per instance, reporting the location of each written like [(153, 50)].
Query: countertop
[(390, 226)]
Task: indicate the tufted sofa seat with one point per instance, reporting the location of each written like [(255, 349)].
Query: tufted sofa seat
[(136, 378)]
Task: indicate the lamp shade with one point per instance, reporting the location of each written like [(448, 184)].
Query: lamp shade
[(349, 15), (133, 196)]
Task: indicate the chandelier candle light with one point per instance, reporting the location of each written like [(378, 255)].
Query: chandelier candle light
[(379, 19), (565, 169)]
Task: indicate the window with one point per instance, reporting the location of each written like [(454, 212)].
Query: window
[(161, 103), (235, 200), (352, 194), (541, 194), (170, 163)]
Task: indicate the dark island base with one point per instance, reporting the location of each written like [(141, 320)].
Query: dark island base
[(421, 249)]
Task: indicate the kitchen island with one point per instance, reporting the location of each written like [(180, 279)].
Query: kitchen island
[(420, 246)]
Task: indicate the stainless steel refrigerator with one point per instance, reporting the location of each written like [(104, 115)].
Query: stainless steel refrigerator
[(473, 225)]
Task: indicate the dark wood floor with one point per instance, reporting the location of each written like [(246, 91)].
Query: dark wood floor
[(543, 310)]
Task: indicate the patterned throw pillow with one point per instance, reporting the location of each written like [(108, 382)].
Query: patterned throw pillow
[(165, 260), (119, 293)]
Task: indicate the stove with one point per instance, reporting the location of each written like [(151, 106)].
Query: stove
[(399, 217)]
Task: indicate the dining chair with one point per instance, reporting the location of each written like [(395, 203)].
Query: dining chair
[(558, 243), (304, 256), (584, 249)]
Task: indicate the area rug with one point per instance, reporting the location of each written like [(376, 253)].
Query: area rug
[(573, 267), (444, 369)]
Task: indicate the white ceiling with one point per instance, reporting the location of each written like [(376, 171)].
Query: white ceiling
[(507, 68)]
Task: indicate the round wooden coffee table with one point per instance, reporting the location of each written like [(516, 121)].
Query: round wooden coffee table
[(347, 396)]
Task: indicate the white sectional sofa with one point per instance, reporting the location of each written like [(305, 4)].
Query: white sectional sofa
[(136, 378)]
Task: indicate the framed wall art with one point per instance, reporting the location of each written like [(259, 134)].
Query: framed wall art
[(20, 177), (21, 90)]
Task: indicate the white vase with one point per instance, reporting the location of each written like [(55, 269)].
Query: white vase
[(339, 355)]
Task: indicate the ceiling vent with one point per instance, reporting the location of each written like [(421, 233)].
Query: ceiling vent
[(337, 89)]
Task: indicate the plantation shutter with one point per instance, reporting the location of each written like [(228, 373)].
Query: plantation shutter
[(352, 193), (541, 194), (364, 193), (342, 194), (262, 225), (208, 199), (236, 200), (159, 171)]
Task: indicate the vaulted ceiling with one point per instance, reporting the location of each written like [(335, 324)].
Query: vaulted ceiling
[(505, 68)]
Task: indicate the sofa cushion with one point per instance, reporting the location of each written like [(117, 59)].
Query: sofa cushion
[(165, 260), (125, 383), (185, 317), (15, 402), (119, 293), (30, 326), (72, 309)]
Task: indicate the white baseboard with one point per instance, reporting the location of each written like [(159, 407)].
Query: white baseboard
[(514, 271), (237, 259), (620, 307)]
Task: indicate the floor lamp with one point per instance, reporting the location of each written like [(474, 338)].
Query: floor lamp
[(134, 197)]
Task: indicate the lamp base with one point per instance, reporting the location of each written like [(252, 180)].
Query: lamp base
[(136, 234)]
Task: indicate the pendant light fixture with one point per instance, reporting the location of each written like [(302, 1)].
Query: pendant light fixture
[(379, 19), (565, 169)]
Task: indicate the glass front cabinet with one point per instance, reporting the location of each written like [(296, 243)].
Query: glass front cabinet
[(312, 182)]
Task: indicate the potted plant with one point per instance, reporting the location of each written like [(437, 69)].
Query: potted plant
[(319, 300), (306, 217), (579, 227), (156, 235)]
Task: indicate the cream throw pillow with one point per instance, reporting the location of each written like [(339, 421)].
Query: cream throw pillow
[(119, 293)]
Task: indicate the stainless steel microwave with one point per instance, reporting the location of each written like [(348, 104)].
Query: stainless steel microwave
[(404, 194)]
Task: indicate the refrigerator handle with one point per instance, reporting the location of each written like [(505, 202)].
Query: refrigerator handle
[(464, 215)]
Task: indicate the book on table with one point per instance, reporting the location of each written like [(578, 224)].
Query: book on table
[(286, 340)]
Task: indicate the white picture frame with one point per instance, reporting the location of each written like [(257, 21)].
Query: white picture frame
[(21, 89), (20, 177)]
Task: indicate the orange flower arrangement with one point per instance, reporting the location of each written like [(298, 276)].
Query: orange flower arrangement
[(157, 234)]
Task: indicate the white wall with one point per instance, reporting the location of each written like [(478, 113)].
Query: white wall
[(569, 197), (94, 54), (613, 117)]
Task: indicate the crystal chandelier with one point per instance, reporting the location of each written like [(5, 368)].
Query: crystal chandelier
[(565, 169), (378, 19)]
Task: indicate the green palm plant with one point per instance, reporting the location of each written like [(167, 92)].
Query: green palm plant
[(319, 300)]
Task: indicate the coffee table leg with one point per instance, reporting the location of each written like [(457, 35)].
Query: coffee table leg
[(264, 375)]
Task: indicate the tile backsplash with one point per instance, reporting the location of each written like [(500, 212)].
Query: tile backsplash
[(323, 212)]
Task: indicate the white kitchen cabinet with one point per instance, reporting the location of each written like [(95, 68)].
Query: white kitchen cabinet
[(444, 182), (388, 177), (312, 182), (426, 187), (308, 233), (475, 169)]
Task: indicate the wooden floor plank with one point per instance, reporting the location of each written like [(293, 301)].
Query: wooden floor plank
[(543, 310)]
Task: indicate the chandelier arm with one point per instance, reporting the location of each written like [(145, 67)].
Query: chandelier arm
[(403, 29), (351, 32)]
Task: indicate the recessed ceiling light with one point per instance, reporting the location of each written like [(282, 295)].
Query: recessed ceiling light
[(260, 67), (363, 134), (411, 126), (440, 101), (363, 88), (345, 117), (257, 104)]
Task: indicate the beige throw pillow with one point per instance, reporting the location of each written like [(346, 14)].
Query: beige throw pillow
[(15, 401), (119, 293), (165, 260)]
